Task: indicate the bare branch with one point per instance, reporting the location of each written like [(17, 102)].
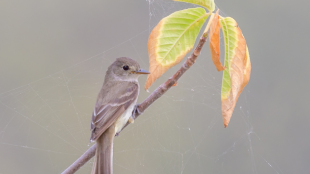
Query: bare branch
[(147, 102), (81, 161)]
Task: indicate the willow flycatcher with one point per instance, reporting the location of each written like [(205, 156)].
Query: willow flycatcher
[(115, 103)]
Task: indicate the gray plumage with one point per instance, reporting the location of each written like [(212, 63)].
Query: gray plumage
[(115, 103)]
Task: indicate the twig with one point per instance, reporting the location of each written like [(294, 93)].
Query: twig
[(146, 103), (81, 161)]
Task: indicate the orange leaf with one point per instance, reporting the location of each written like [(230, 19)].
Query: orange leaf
[(247, 70), (214, 42), (237, 61)]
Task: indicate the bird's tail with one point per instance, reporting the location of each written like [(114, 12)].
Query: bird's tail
[(103, 163)]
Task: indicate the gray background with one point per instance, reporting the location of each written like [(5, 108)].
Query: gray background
[(53, 56)]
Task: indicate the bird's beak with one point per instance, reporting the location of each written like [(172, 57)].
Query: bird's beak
[(142, 71)]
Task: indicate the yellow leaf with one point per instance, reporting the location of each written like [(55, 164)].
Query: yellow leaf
[(172, 38)]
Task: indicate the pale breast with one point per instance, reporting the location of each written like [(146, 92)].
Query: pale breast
[(123, 119)]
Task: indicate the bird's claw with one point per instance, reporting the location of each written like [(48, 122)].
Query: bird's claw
[(133, 115)]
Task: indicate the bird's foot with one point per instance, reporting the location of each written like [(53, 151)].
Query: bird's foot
[(133, 115)]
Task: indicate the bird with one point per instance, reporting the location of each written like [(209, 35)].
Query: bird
[(113, 109)]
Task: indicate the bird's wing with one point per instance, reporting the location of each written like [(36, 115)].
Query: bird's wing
[(106, 112)]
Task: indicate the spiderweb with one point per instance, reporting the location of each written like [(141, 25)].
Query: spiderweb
[(45, 124)]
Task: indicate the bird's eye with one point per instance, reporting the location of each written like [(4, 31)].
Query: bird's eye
[(126, 67)]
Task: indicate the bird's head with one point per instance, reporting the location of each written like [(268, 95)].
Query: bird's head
[(125, 69)]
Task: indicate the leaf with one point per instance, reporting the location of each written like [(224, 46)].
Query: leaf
[(247, 70), (214, 42), (208, 4), (208, 25), (172, 38), (238, 67)]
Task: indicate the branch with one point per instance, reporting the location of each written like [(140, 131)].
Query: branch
[(146, 103), (81, 161)]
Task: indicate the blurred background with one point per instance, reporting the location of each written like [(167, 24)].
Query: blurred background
[(53, 57)]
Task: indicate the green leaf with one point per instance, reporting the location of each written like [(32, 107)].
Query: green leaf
[(172, 38), (238, 66), (208, 4)]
